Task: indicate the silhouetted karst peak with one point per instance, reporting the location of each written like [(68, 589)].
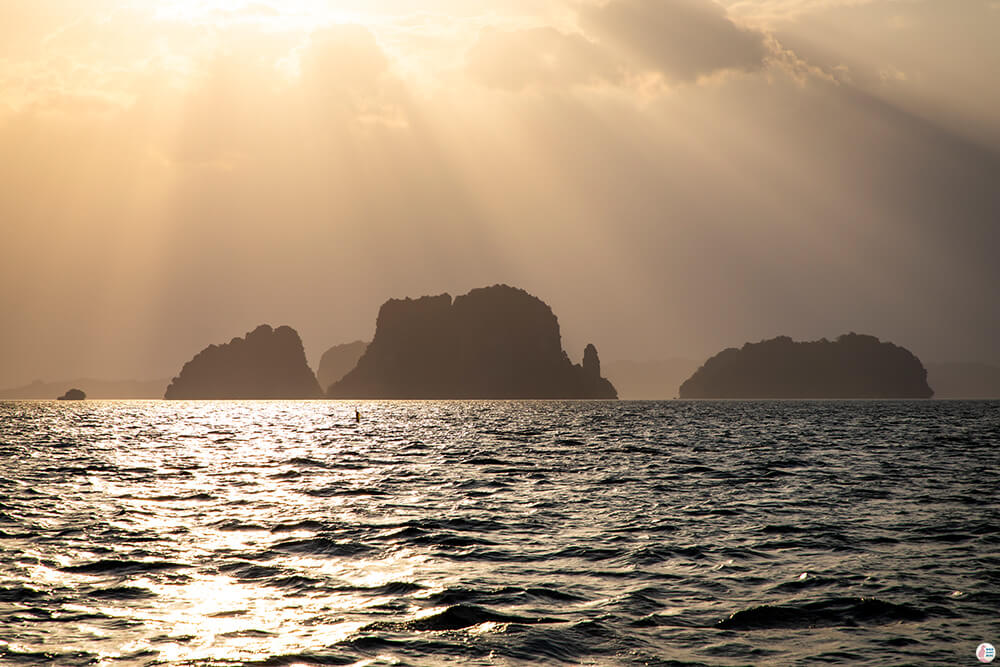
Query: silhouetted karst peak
[(853, 366), (338, 360), (494, 342), (591, 363), (267, 363), (73, 395)]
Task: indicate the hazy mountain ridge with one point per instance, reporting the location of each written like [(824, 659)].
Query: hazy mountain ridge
[(95, 388), (853, 366), (494, 342), (338, 360)]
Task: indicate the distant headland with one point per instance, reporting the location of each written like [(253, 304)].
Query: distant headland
[(338, 361), (73, 395), (853, 366), (267, 363), (494, 342)]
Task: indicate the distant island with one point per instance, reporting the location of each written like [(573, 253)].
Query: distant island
[(338, 361), (267, 363), (853, 366), (96, 388), (494, 342), (73, 395)]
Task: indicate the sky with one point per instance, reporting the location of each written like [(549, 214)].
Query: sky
[(672, 177)]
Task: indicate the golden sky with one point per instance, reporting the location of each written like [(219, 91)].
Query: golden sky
[(672, 176)]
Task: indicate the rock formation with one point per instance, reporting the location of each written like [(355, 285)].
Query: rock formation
[(854, 366), (268, 363), (338, 360), (73, 395), (494, 342)]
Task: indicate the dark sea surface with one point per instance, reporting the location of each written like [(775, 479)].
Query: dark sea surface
[(499, 533)]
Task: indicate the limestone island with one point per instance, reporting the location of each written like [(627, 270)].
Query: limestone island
[(338, 360), (267, 363), (493, 343), (853, 366), (73, 395)]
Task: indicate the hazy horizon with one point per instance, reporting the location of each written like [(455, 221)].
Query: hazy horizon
[(672, 178)]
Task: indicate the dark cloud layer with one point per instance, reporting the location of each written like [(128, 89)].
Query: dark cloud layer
[(683, 39)]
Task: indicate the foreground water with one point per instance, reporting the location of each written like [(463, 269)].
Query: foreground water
[(498, 533)]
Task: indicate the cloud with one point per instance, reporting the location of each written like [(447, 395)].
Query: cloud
[(515, 59), (682, 39), (344, 58), (678, 41)]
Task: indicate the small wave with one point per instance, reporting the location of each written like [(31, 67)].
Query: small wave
[(115, 566), (250, 571), (847, 611), (570, 644), (121, 593), (587, 553), (804, 583), (393, 588), (506, 595), (232, 525), (784, 528), (46, 658), (19, 594), (459, 616), (306, 462), (298, 525), (322, 545), (332, 491), (235, 634), (303, 659), (171, 498), (484, 461)]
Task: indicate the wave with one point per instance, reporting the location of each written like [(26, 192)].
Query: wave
[(333, 491), (120, 593), (458, 617), (322, 546), (845, 611), (19, 594), (73, 659), (115, 566)]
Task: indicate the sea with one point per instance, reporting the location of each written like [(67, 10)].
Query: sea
[(274, 534)]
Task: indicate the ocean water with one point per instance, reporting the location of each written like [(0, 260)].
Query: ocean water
[(499, 533)]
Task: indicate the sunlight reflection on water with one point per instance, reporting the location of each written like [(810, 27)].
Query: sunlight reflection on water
[(495, 532)]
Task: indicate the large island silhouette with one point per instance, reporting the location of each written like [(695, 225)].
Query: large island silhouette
[(853, 366), (494, 342), (267, 363)]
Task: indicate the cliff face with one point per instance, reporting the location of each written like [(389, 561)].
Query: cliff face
[(853, 366), (338, 360), (494, 342), (268, 363)]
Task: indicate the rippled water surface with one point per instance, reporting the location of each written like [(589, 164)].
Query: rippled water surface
[(498, 533)]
